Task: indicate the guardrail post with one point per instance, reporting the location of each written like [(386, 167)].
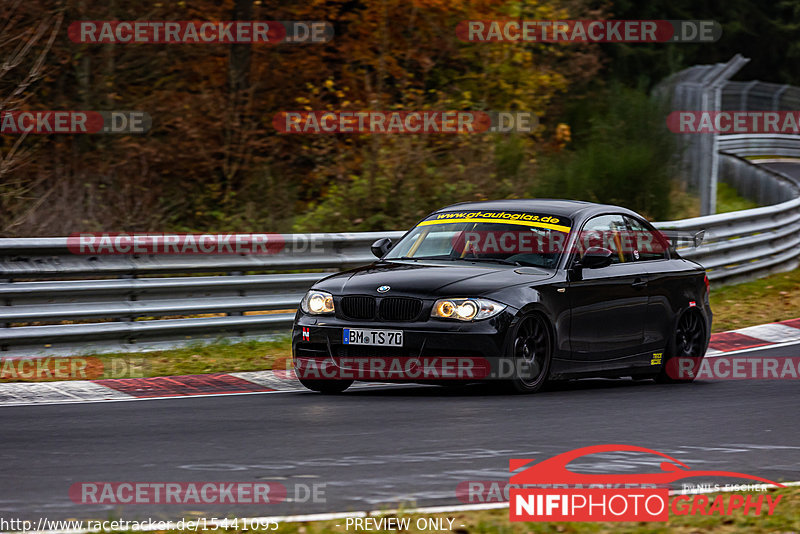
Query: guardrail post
[(708, 192), (743, 103), (776, 97), (241, 293), (6, 303)]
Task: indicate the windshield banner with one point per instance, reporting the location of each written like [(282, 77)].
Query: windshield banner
[(500, 217)]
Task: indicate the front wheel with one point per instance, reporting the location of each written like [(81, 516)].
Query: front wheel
[(530, 354), (326, 386), (686, 351)]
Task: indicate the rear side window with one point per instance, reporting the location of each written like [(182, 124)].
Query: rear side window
[(647, 245)]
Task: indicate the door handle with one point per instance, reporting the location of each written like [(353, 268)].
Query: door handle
[(639, 283)]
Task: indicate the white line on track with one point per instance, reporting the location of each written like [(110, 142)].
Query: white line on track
[(751, 349), (300, 389), (774, 333)]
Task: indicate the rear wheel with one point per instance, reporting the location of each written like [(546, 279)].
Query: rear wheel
[(686, 351), (326, 386), (530, 354)]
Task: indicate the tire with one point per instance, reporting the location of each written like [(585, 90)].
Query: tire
[(688, 342), (327, 387), (530, 350)]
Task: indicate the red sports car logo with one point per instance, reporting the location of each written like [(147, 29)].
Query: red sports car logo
[(554, 470)]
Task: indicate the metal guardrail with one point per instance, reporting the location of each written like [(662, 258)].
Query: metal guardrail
[(758, 183), (751, 243), (760, 145), (134, 302), (51, 257), (745, 244)]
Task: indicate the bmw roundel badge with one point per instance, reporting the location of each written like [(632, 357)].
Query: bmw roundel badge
[(383, 289)]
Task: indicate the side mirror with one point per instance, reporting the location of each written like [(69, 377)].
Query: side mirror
[(596, 257), (380, 247)]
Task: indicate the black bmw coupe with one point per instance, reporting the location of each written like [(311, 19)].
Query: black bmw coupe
[(516, 292)]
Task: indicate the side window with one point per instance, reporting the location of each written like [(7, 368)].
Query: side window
[(607, 231), (645, 243)]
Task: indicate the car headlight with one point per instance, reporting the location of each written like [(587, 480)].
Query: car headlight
[(466, 309), (317, 303)]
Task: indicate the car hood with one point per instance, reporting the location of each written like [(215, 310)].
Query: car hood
[(426, 280)]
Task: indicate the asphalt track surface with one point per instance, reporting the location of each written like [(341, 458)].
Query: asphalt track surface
[(375, 448), (785, 167)]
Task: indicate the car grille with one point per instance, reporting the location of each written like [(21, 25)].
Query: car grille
[(400, 309), (358, 307)]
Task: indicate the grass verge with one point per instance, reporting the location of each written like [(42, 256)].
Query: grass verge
[(767, 300), (685, 205), (786, 518), (190, 360), (729, 200)]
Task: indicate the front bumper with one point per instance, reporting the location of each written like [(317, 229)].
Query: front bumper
[(432, 351)]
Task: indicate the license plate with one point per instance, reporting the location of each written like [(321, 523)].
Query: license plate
[(385, 338)]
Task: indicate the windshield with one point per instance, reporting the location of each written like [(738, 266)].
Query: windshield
[(513, 238)]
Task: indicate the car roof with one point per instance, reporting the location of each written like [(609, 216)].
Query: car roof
[(564, 208)]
